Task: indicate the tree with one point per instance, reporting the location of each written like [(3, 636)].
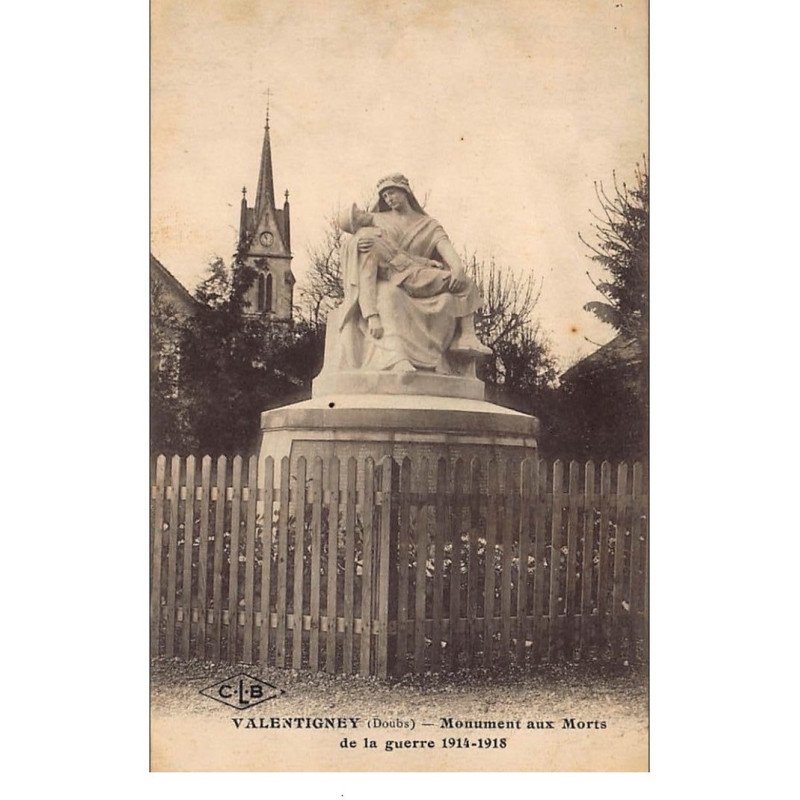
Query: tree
[(603, 400), (622, 249), (522, 368), (170, 425), (233, 366), (323, 288)]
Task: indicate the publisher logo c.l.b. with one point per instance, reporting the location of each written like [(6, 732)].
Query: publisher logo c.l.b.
[(242, 691)]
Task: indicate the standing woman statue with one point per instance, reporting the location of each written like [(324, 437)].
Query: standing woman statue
[(408, 303)]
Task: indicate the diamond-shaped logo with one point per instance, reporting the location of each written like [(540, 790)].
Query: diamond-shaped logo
[(242, 691)]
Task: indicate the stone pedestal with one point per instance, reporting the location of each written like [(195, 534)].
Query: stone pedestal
[(415, 414)]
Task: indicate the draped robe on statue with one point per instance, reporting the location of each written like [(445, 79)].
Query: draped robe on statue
[(400, 281)]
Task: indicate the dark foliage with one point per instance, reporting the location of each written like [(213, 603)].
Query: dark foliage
[(622, 250), (231, 367), (603, 412), (603, 415)]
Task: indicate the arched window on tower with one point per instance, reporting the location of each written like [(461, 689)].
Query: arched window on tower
[(261, 293), (267, 294)]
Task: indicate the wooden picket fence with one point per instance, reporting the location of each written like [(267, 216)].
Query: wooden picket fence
[(365, 568)]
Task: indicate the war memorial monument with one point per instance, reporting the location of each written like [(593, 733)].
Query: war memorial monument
[(399, 375)]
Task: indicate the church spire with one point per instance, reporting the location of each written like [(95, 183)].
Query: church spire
[(265, 193), (265, 247)]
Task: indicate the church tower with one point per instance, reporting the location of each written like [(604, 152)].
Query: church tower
[(265, 244)]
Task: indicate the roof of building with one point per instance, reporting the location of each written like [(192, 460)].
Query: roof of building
[(177, 293), (620, 352)]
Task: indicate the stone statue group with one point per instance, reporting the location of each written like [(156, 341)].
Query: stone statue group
[(408, 302)]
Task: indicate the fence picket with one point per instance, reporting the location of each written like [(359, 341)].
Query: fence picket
[(636, 590), (367, 520), (527, 482), (645, 587), (282, 566), (219, 532), (619, 560), (454, 643), (172, 554), (438, 562), (202, 557), (188, 545), (603, 565), (266, 560), (349, 565), (572, 604), (492, 502), (316, 558), (233, 562), (422, 546), (509, 514), (556, 599), (250, 560), (539, 575), (387, 600), (588, 560), (333, 564), (156, 556), (472, 563), (403, 566), (646, 591), (299, 553)]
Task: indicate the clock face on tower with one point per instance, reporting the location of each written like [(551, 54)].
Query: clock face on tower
[(266, 238)]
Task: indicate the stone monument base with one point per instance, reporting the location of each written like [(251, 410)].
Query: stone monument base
[(362, 425), (418, 382)]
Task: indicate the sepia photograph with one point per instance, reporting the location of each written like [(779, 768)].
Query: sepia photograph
[(399, 386)]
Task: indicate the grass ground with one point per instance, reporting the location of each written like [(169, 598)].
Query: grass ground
[(191, 731)]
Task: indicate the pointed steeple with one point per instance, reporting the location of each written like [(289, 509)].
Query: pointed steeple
[(265, 194), (264, 247)]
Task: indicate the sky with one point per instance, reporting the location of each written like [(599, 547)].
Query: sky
[(502, 114)]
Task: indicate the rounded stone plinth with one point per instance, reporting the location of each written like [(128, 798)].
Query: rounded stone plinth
[(361, 426), (416, 383)]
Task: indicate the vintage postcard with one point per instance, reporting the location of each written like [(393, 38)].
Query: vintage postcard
[(399, 386)]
